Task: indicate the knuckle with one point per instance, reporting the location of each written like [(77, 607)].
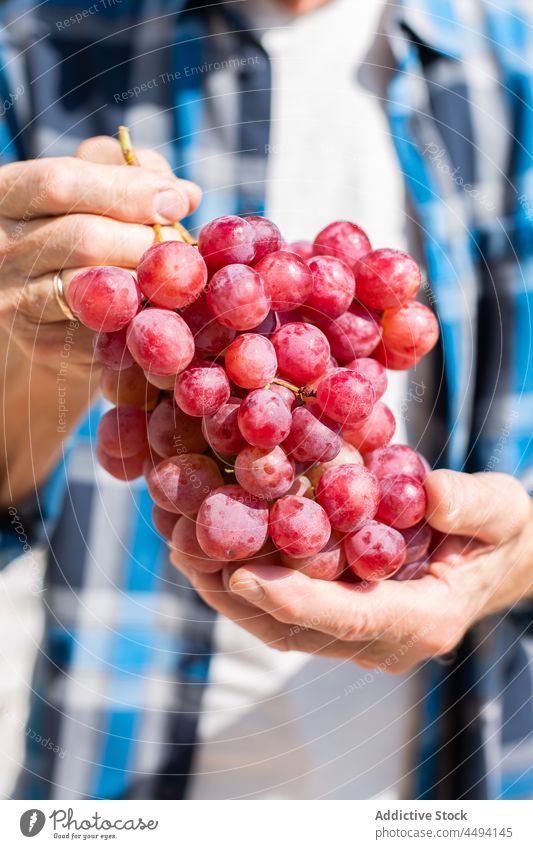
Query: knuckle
[(443, 641), (364, 663), (96, 148), (522, 508), (356, 628), (288, 613), (281, 644), (153, 160), (90, 239), (6, 311), (9, 171), (6, 250), (55, 181)]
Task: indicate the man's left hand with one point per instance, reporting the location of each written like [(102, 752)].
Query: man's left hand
[(483, 564)]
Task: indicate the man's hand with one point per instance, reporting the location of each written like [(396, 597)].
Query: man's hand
[(64, 214), (71, 212), (482, 564)]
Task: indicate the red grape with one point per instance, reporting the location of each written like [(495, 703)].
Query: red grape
[(122, 431), (375, 551), (349, 494), (151, 461), (264, 418), (409, 331), (222, 430), (123, 468), (373, 371), (298, 526), (185, 543), (267, 237), (202, 388), (237, 298), (417, 540), (180, 484), (412, 571), (392, 360), (302, 351), (268, 326), (396, 460), (288, 279), (104, 298), (357, 584), (210, 337), (344, 240), (171, 274), (263, 472), (373, 432), (286, 395), (110, 350), (386, 278), (347, 455), (232, 524), (165, 382), (171, 431), (327, 565), (302, 248), (402, 501), (333, 287), (268, 555), (128, 386), (355, 333), (163, 521), (313, 436), (345, 396), (160, 341), (251, 361), (226, 240)]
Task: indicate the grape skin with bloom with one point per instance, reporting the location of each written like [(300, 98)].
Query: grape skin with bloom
[(277, 364)]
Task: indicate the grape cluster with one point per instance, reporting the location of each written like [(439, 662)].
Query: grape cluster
[(247, 376)]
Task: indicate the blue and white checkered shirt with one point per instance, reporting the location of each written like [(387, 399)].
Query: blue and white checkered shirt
[(127, 645)]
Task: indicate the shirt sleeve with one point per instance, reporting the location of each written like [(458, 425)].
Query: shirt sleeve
[(30, 522)]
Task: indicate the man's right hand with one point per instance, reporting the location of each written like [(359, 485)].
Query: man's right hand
[(67, 213)]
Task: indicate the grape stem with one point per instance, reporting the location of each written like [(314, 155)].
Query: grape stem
[(300, 392), (130, 158)]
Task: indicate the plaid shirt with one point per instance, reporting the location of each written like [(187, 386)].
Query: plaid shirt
[(127, 644)]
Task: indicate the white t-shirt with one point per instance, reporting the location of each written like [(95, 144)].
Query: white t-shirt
[(291, 725)]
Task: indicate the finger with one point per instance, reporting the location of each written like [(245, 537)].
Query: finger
[(33, 320), (36, 302), (490, 506), (78, 240), (106, 150), (212, 589), (334, 607), (456, 550), (103, 149), (58, 186)]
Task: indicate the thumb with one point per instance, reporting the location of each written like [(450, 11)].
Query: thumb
[(490, 506)]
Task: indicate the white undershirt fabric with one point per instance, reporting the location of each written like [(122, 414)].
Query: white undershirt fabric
[(294, 726)]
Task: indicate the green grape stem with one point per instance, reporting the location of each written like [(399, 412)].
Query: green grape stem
[(301, 392)]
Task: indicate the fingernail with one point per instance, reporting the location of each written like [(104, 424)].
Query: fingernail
[(170, 205), (249, 589)]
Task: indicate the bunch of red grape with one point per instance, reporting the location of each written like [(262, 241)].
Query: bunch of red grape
[(247, 376)]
